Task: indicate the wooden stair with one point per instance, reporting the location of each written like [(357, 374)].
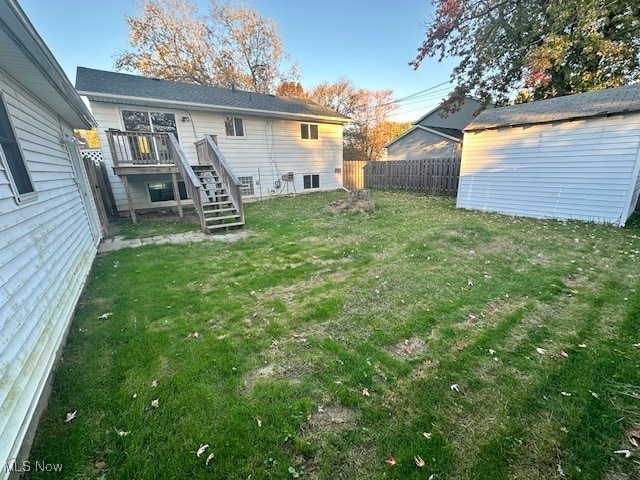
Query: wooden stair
[(218, 209)]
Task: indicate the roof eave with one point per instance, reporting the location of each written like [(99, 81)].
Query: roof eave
[(127, 99), (17, 26)]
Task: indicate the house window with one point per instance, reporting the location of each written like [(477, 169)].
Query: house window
[(163, 191), (11, 156), (146, 121), (247, 186), (309, 131), (233, 126), (311, 181)]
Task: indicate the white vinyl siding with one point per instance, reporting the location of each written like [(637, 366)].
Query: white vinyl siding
[(270, 148), (420, 144), (580, 169), (46, 254)]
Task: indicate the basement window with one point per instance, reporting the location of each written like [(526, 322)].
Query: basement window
[(234, 127), (163, 191), (11, 156), (311, 181), (247, 188), (309, 131)]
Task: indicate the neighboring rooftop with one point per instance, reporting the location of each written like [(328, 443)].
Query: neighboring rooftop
[(123, 88), (611, 101)]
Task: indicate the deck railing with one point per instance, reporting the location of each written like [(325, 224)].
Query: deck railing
[(191, 180), (209, 154), (140, 148)]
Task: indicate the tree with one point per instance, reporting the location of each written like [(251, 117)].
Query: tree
[(544, 48), (232, 45), (370, 128), (291, 89)]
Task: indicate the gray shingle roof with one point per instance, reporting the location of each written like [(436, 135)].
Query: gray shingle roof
[(452, 132), (106, 86), (591, 104)]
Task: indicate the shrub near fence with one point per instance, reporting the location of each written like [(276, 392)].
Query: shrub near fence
[(434, 175)]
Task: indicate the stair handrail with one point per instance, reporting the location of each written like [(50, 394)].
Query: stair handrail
[(191, 180), (229, 180)]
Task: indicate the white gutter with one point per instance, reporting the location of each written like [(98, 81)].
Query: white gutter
[(208, 107)]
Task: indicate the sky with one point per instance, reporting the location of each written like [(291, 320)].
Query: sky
[(369, 41)]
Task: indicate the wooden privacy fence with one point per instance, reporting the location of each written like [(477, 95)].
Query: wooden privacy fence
[(434, 175), (353, 174)]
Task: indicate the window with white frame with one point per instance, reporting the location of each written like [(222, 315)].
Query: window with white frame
[(311, 181), (234, 126), (309, 131), (163, 191), (11, 156), (247, 186)]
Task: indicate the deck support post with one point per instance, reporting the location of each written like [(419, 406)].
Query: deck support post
[(125, 181), (176, 193)]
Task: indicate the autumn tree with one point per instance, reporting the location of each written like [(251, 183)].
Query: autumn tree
[(230, 45), (370, 128), (290, 89), (541, 48)]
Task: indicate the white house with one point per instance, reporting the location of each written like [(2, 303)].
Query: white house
[(272, 144), (49, 226), (572, 157), (437, 134)]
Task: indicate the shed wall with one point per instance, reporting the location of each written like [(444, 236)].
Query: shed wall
[(46, 253), (579, 169), (269, 149)]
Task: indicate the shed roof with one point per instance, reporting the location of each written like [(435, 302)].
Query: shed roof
[(112, 87), (606, 102), (26, 58)]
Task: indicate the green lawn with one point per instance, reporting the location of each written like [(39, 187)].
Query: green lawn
[(324, 344)]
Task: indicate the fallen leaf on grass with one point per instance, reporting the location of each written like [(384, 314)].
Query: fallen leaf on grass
[(633, 442), (637, 345), (390, 460), (121, 433), (492, 352), (566, 394), (594, 395), (154, 384), (564, 354), (209, 458), (541, 351), (193, 335), (99, 464), (582, 345), (455, 388), (426, 435), (203, 447), (104, 316), (70, 416), (259, 422), (626, 453), (419, 461), (365, 392), (155, 403), (634, 433)]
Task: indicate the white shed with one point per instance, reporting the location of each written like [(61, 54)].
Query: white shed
[(574, 157), (49, 226)]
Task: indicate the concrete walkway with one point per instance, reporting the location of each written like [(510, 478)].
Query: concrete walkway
[(116, 243)]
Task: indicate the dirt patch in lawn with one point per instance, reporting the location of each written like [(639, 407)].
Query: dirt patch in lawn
[(408, 348), (329, 418)]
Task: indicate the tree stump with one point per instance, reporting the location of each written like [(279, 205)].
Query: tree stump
[(358, 196), (357, 200)]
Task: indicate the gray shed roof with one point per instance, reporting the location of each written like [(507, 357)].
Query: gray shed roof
[(123, 88), (611, 101)]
